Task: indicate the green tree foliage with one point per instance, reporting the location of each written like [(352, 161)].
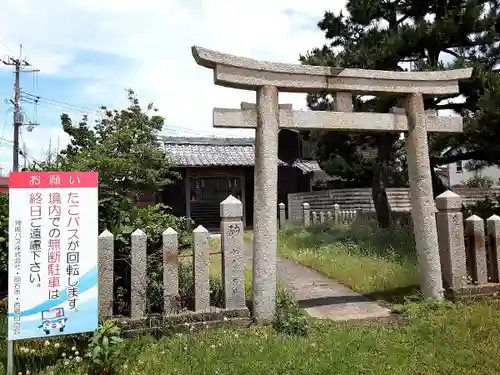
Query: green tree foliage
[(432, 35), (123, 146)]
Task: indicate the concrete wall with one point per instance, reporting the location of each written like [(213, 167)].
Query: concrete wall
[(351, 199)]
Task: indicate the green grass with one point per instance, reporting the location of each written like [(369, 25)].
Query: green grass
[(429, 337), (248, 235), (363, 257), (435, 339)]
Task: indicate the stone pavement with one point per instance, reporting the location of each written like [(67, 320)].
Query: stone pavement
[(318, 295), (321, 297), (324, 298)]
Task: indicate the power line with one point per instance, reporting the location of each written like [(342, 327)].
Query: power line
[(41, 99), (4, 126), (6, 46), (47, 105), (59, 105), (45, 102)]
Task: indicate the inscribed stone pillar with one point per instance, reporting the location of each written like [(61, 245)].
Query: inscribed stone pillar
[(170, 272), (282, 214), (493, 228), (422, 200), (474, 227), (265, 205), (306, 215), (138, 275), (451, 240), (322, 217), (233, 255), (329, 216), (106, 274), (201, 269)]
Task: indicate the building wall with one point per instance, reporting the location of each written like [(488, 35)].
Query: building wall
[(458, 175), (352, 199)]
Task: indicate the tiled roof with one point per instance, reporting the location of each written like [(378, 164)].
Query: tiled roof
[(206, 152)]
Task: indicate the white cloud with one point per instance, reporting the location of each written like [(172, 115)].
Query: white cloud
[(155, 37)]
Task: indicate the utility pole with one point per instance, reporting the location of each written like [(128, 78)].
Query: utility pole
[(18, 64)]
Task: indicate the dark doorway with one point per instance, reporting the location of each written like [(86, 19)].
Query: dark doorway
[(206, 195)]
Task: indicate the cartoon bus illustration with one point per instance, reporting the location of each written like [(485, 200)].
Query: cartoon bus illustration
[(53, 319)]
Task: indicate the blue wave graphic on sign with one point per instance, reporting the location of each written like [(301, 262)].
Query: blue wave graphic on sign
[(86, 282)]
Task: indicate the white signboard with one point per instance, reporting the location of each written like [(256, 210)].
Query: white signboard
[(53, 229)]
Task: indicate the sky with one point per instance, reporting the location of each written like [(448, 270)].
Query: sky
[(88, 52)]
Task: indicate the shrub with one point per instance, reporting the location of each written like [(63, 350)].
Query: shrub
[(186, 288), (288, 319), (103, 347), (479, 181), (483, 208), (153, 220)]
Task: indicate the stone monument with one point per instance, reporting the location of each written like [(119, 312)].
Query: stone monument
[(267, 116)]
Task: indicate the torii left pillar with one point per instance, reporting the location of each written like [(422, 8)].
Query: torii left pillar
[(265, 204)]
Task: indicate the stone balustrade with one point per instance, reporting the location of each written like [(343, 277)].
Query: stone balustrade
[(232, 258), (469, 249), (337, 216)]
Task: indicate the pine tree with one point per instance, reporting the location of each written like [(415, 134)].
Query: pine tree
[(428, 35)]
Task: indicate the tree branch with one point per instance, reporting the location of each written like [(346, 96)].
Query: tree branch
[(448, 51), (470, 155)]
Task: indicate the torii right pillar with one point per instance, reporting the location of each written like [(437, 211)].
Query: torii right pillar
[(423, 207)]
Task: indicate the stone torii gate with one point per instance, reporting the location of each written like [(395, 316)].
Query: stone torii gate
[(267, 117)]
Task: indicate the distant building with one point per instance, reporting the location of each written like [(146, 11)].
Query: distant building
[(213, 168), (456, 174)]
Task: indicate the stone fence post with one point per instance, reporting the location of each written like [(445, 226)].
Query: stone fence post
[(200, 269), (474, 227), (314, 218), (493, 230), (106, 274), (138, 275), (233, 255), (171, 299), (336, 213), (282, 214), (450, 230), (306, 215)]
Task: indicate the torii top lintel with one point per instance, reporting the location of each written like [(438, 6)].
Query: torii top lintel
[(249, 74)]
